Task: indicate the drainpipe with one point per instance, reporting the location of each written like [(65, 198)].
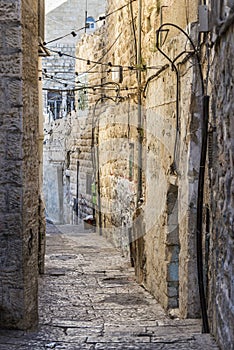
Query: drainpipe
[(200, 199), (139, 125), (41, 121), (99, 188), (96, 161), (77, 189)]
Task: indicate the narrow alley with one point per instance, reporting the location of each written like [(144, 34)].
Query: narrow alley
[(89, 299)]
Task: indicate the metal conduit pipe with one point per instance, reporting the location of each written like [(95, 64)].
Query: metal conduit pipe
[(200, 196), (174, 68), (77, 189), (139, 109), (201, 178)]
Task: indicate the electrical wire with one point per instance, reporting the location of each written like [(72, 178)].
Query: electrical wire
[(95, 89), (110, 70), (74, 32), (88, 61), (53, 76), (59, 81), (100, 59), (174, 68), (134, 31), (153, 77), (50, 72), (201, 178), (83, 88), (106, 52)]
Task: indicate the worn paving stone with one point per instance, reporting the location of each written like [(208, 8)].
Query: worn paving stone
[(89, 300)]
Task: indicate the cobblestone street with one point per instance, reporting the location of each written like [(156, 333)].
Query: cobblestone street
[(89, 299)]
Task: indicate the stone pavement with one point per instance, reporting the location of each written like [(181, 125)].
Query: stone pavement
[(89, 300)]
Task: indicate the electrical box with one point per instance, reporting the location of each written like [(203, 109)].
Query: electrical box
[(117, 74), (203, 17)]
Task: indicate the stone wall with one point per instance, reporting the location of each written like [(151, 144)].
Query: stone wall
[(160, 234), (158, 230), (68, 167), (116, 135), (221, 148), (172, 165), (19, 163), (61, 77)]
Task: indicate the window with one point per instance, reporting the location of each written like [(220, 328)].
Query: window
[(88, 183), (54, 103), (90, 23)]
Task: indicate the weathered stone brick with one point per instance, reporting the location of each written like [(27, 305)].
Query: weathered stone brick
[(14, 146), (12, 173), (9, 10), (12, 37), (13, 200), (11, 224), (2, 205), (14, 92), (12, 120), (10, 65)]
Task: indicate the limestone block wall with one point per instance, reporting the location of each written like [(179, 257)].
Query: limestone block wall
[(164, 242), (116, 134), (19, 163), (171, 174), (160, 233), (117, 146), (91, 48), (79, 170), (67, 161), (74, 146), (117, 166)]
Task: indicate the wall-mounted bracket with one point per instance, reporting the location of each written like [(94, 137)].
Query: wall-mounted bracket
[(203, 19)]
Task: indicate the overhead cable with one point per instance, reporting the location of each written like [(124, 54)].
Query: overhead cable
[(101, 18)]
